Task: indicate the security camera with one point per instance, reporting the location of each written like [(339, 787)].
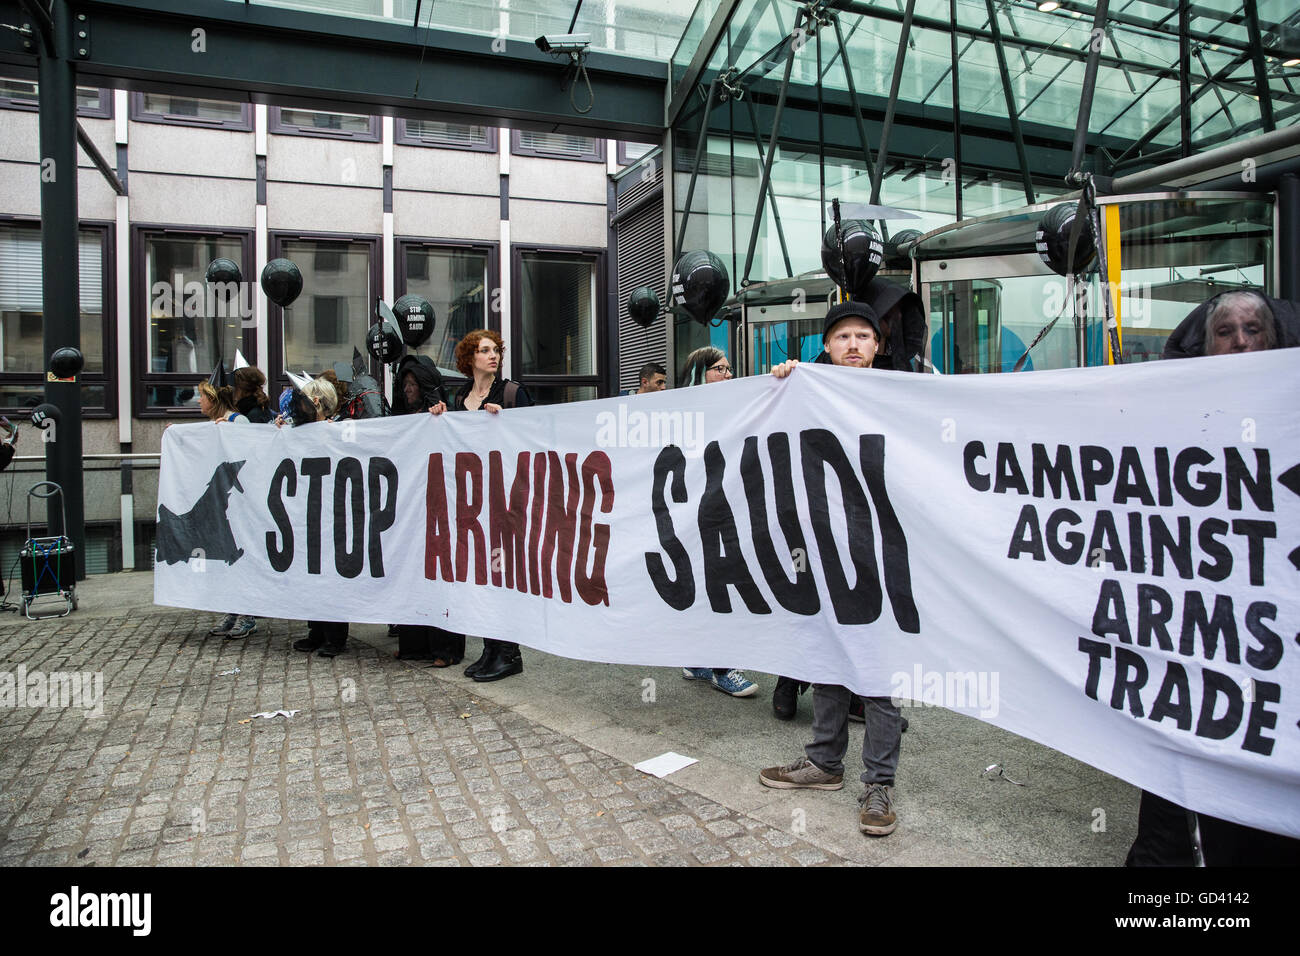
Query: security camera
[(564, 43)]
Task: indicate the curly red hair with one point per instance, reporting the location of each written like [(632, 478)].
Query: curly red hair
[(467, 346)]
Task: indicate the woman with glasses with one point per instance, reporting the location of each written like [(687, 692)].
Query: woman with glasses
[(707, 366), (478, 357)]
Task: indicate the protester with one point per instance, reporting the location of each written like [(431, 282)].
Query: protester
[(251, 400), (1228, 324), (654, 378), (340, 393), (418, 387), (8, 441), (478, 358), (218, 404), (851, 338), (901, 316), (705, 366), (317, 401)]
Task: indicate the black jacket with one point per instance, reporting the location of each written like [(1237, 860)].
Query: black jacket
[(1188, 340), (427, 377), (366, 397), (906, 338), (496, 396), (255, 413)]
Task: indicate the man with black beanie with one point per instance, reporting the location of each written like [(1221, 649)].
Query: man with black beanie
[(851, 338)]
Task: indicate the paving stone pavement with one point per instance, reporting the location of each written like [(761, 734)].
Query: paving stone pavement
[(384, 764)]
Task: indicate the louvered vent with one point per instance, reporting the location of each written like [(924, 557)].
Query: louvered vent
[(639, 245)]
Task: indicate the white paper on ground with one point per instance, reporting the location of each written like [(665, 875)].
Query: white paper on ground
[(665, 764)]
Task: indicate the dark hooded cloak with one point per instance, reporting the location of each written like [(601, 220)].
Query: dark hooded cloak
[(1188, 339), (427, 377)]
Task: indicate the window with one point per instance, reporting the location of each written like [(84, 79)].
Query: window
[(189, 324), (558, 338), (558, 146), (23, 95), (190, 111), (482, 139), (330, 318), (22, 326), (629, 153), (460, 282), (296, 122)]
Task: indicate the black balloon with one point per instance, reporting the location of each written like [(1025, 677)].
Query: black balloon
[(282, 282), (45, 414), (384, 343), (1053, 240), (700, 285), (861, 259), (643, 305), (224, 270), (900, 243), (415, 316), (66, 362)]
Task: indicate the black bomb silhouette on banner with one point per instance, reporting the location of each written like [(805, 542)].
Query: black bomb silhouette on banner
[(853, 269), (700, 285), (203, 531), (416, 319)]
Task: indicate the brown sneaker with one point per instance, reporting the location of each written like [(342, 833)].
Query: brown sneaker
[(803, 774), (878, 817)]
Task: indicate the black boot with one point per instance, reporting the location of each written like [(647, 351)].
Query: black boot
[(336, 639), (488, 645), (314, 639), (785, 699), (505, 661)]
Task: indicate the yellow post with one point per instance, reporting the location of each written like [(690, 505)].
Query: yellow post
[(1113, 273)]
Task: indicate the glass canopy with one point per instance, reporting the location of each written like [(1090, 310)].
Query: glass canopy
[(647, 29)]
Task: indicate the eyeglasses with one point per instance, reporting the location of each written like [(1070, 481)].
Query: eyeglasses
[(722, 368)]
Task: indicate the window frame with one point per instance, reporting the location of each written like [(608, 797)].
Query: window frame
[(142, 377), (108, 301), (598, 257), (624, 159), (276, 379), (403, 137), (493, 250), (139, 114), (520, 150), (276, 124), (103, 111)]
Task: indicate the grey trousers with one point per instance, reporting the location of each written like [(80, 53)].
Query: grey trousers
[(884, 734)]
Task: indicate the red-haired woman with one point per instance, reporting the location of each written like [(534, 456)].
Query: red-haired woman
[(478, 357)]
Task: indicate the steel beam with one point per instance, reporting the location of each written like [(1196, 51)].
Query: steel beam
[(900, 60), (61, 302), (1013, 114), (1074, 177), (771, 148), (315, 60), (1257, 61), (699, 61)]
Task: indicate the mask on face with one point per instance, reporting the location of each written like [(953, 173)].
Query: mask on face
[(303, 408)]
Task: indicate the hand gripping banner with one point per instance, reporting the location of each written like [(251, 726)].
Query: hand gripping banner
[(1106, 561)]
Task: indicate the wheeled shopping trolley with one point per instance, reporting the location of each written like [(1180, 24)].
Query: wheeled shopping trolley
[(49, 565)]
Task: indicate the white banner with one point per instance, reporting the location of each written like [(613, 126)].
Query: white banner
[(1105, 561)]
